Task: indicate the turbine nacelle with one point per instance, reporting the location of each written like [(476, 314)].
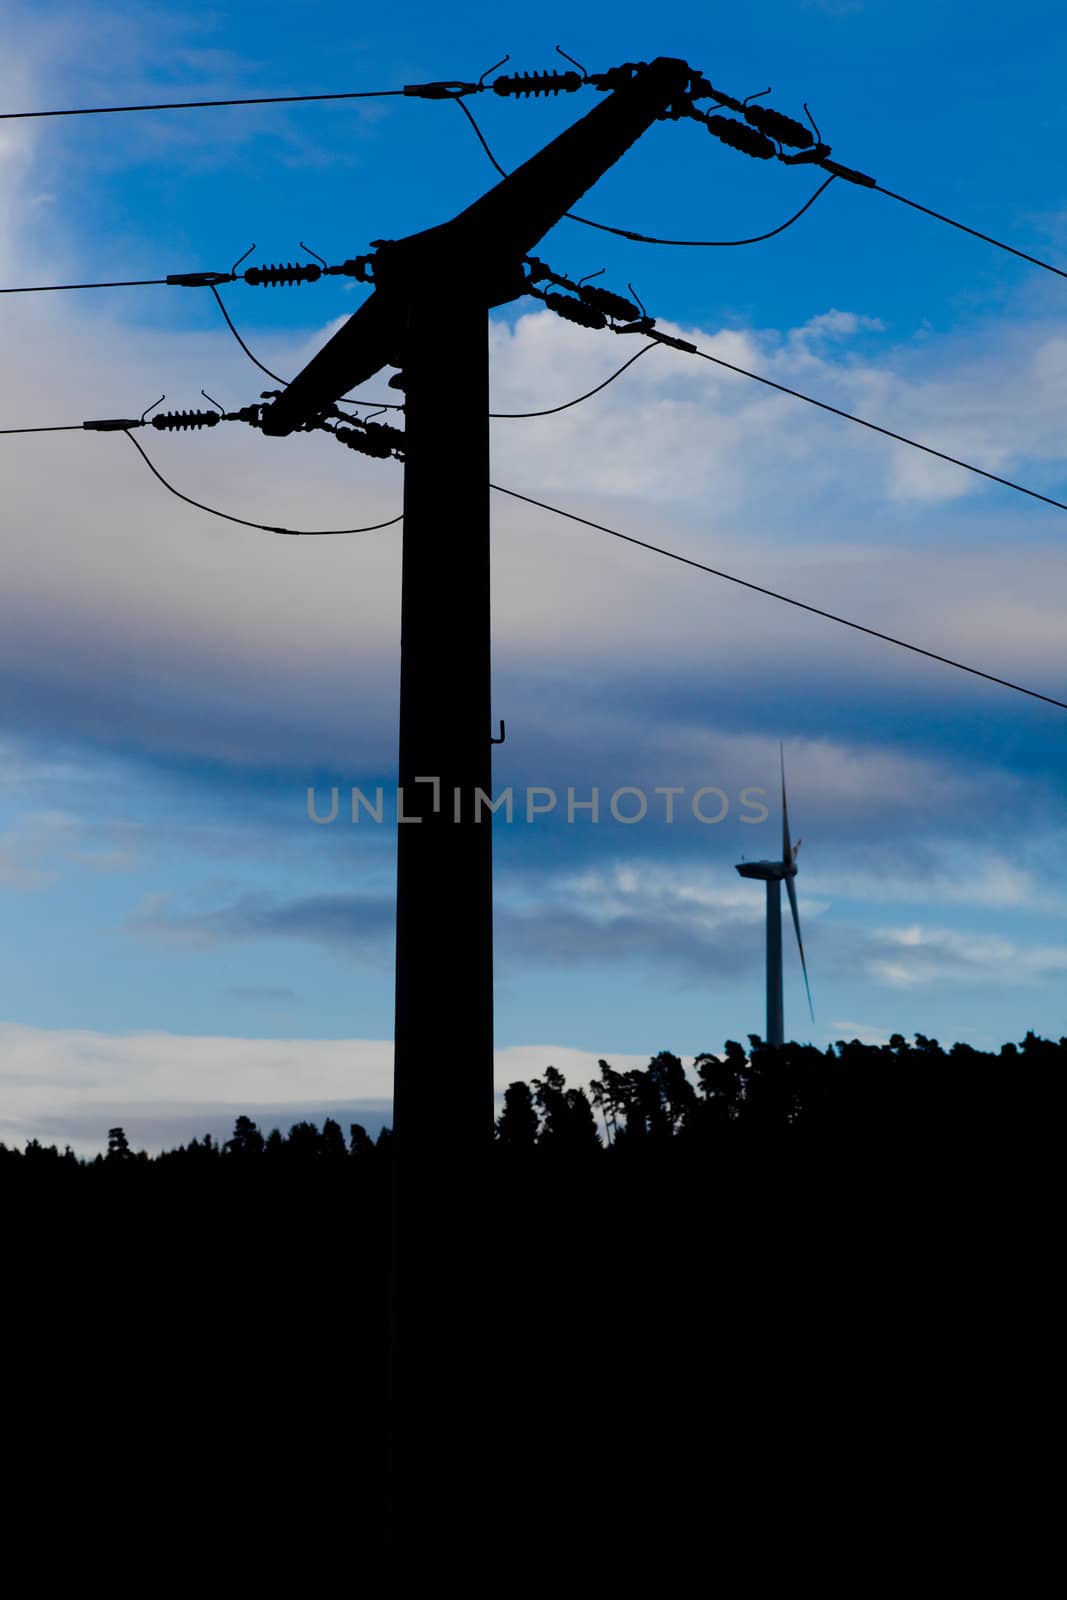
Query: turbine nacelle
[(766, 869)]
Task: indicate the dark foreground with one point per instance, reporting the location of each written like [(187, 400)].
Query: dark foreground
[(766, 1356)]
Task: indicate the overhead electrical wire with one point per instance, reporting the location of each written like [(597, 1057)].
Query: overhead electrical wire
[(770, 383), (456, 90), (730, 366), (52, 288), (645, 238), (987, 237), (482, 140), (61, 427), (552, 410), (644, 544), (707, 244), (589, 222), (384, 405), (803, 605), (196, 105), (646, 326), (266, 527), (254, 359), (876, 427), (642, 238)]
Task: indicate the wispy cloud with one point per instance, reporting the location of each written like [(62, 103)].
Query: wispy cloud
[(859, 1030), (36, 850), (353, 921), (907, 958), (157, 641), (67, 1085)]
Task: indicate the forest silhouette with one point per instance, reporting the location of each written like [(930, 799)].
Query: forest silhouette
[(758, 1285), (861, 1094)]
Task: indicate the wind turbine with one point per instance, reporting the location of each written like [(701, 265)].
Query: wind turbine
[(772, 872)]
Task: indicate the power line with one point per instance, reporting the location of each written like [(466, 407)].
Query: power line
[(266, 527), (645, 348), (722, 244), (764, 130), (52, 288), (385, 405), (495, 415), (62, 427), (482, 139), (254, 359), (719, 361), (600, 527), (730, 366), (869, 183), (645, 238), (772, 594), (987, 237), (646, 325), (456, 90), (273, 275), (888, 432), (195, 105)]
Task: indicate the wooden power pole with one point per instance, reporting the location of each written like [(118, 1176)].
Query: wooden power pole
[(428, 316)]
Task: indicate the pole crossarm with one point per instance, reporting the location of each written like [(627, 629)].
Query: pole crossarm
[(488, 240)]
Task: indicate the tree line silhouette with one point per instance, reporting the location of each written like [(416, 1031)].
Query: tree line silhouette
[(850, 1091), (743, 1290)]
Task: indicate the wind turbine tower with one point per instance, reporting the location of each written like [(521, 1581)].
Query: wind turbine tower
[(773, 872)]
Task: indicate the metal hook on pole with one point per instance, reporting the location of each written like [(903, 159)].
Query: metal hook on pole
[(237, 263), (572, 61), (502, 734), (637, 297), (488, 70)]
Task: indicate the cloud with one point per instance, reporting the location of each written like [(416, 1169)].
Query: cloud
[(179, 638), (618, 897), (39, 845), (825, 326), (940, 874), (859, 1030), (913, 956), (71, 1085), (352, 922), (597, 918), (60, 1083)]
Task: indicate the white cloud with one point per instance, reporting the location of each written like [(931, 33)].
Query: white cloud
[(864, 1032), (937, 872), (71, 1085), (909, 957), (678, 895), (187, 636)]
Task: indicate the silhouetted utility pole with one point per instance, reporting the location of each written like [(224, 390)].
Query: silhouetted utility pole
[(428, 316)]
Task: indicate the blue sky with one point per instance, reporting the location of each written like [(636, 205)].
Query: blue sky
[(181, 939)]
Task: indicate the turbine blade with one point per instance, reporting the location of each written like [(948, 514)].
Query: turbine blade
[(787, 849), (791, 887)]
